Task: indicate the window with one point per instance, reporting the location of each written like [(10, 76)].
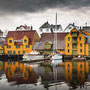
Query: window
[(81, 65), (13, 52), (80, 38), (74, 38), (81, 50), (18, 46), (9, 52), (25, 41), (74, 32), (68, 38), (8, 46), (23, 52), (80, 71), (80, 44), (68, 70), (41, 30), (47, 29), (10, 41), (68, 50), (70, 27), (68, 44), (18, 52), (68, 65), (27, 46)]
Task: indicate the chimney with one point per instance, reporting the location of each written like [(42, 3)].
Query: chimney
[(31, 27), (73, 24)]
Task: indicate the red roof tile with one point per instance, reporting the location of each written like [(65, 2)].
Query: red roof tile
[(50, 37), (18, 35)]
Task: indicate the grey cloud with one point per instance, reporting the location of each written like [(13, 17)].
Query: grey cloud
[(11, 6)]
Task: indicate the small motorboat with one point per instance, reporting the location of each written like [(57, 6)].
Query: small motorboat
[(56, 58), (34, 55)]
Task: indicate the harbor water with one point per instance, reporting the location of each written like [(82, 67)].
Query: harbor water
[(15, 75)]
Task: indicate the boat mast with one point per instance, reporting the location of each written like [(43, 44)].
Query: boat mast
[(56, 33)]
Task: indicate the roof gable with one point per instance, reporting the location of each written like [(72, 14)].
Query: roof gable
[(45, 25), (49, 37), (18, 35)]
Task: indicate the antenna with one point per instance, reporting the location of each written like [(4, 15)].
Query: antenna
[(86, 27)]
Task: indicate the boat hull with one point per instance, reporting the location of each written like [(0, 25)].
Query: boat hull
[(33, 57), (57, 59)]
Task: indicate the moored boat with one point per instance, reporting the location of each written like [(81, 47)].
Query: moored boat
[(56, 56), (79, 59), (34, 55)]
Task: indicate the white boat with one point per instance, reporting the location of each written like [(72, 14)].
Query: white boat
[(56, 56), (56, 59), (34, 55)]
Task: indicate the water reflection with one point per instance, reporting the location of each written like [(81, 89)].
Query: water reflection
[(73, 75), (77, 74)]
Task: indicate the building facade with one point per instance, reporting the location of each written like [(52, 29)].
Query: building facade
[(47, 43), (2, 40), (77, 43), (20, 42), (50, 28)]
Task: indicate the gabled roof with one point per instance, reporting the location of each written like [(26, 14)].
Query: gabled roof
[(73, 25), (24, 27), (45, 25), (80, 31), (18, 35), (49, 37), (54, 26)]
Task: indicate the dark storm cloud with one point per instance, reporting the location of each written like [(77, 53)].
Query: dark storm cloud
[(10, 6)]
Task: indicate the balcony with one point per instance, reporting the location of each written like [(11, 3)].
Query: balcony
[(74, 35), (74, 46), (74, 41)]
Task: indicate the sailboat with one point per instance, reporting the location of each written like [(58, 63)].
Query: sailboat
[(56, 56)]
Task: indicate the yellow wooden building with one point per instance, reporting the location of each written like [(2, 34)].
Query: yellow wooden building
[(20, 42), (77, 43)]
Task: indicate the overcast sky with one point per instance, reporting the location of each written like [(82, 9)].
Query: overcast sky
[(14, 13)]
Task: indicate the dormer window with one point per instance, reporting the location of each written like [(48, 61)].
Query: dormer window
[(10, 41), (25, 41), (70, 27)]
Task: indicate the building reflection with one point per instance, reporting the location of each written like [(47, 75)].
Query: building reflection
[(32, 74), (77, 73), (1, 69), (20, 73)]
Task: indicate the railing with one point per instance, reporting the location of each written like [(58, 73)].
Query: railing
[(74, 46), (74, 41)]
